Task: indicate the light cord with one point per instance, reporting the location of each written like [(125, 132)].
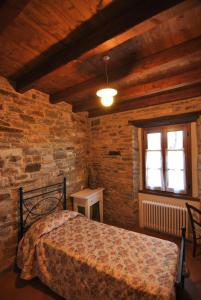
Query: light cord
[(106, 71)]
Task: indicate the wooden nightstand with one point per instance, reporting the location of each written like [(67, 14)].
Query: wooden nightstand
[(88, 197)]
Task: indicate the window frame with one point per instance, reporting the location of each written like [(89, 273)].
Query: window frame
[(186, 128)]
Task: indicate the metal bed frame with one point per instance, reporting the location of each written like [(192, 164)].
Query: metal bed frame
[(28, 210), (47, 192)]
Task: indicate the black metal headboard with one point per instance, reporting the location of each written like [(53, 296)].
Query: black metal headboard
[(36, 203)]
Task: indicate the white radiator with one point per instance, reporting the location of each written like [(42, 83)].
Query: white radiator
[(164, 217)]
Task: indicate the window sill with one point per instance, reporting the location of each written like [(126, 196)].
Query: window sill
[(170, 195)]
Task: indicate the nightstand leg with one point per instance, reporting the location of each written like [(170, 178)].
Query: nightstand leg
[(101, 209), (75, 207), (91, 211), (87, 211)]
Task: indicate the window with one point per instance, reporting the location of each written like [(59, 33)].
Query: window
[(167, 159)]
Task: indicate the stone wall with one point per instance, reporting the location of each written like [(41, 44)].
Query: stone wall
[(119, 175), (39, 144)]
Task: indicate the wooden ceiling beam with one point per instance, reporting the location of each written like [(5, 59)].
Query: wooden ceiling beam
[(9, 10), (183, 79), (156, 62), (115, 19), (166, 120), (177, 94), (164, 84)]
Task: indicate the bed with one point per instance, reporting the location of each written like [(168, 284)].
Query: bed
[(81, 259)]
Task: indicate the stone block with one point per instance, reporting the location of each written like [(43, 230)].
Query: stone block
[(27, 118), (1, 164), (9, 129), (4, 196), (3, 123), (31, 151), (14, 108), (14, 158), (60, 154), (35, 167)]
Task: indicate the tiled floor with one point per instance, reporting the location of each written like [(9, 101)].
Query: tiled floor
[(13, 288)]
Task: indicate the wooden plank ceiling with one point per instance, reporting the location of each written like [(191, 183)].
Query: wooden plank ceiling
[(58, 46)]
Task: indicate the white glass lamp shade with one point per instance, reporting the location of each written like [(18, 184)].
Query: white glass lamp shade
[(107, 101), (106, 96)]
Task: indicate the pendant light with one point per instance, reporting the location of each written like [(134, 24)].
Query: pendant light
[(107, 94)]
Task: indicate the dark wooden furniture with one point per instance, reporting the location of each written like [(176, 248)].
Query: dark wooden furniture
[(195, 225)]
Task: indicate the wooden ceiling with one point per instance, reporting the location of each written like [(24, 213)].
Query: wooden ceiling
[(58, 46)]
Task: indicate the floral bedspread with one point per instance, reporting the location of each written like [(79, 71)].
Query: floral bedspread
[(82, 259)]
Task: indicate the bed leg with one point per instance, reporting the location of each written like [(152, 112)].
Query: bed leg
[(20, 192), (179, 284)]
